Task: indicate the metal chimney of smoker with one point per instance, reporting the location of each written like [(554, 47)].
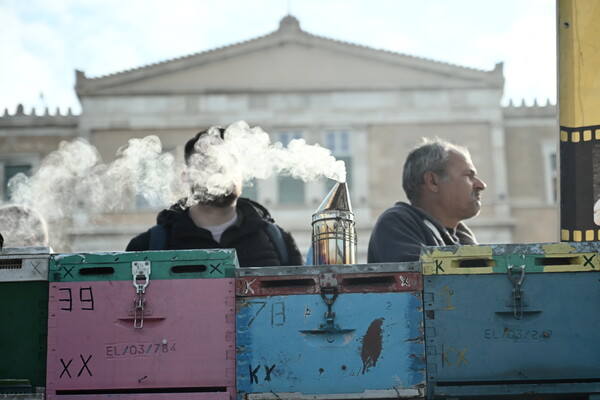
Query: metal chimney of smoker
[(333, 231)]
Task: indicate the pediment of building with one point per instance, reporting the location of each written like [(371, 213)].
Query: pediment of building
[(288, 59)]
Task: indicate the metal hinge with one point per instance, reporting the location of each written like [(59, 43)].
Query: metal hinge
[(517, 302), (140, 270), (329, 294)]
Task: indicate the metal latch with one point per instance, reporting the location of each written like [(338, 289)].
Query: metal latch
[(517, 293), (329, 294), (140, 270)]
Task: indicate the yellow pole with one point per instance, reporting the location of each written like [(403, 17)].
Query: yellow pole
[(579, 117)]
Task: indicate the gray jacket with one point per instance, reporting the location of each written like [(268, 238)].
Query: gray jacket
[(402, 230)]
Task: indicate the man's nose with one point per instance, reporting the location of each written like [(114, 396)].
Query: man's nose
[(479, 184)]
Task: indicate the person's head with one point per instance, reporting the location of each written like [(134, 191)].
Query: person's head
[(212, 168), (440, 177), (22, 226)]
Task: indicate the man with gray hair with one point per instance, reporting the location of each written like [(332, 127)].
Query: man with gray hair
[(443, 188)]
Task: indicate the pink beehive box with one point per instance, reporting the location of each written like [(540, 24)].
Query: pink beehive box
[(142, 325), (146, 396)]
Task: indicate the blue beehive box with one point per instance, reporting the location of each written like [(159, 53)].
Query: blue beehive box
[(328, 332), (516, 320)]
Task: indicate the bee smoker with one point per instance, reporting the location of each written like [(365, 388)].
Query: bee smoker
[(333, 230)]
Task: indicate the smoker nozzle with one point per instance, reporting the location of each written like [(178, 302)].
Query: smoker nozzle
[(333, 229)]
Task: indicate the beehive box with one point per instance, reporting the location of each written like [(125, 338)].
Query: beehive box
[(330, 332), (143, 324), (142, 396), (512, 319), (23, 317)]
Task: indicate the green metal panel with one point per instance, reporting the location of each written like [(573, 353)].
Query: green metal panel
[(23, 318), (23, 331), (167, 264)]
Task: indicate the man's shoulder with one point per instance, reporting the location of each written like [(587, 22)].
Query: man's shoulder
[(402, 210), (139, 242), (164, 222), (253, 209)]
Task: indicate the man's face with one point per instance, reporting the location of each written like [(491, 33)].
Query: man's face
[(214, 172), (460, 193)]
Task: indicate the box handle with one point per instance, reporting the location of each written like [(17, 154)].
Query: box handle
[(557, 261), (189, 269), (96, 271), (287, 283), (378, 281), (476, 263)]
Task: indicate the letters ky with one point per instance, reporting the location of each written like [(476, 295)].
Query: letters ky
[(254, 373), (67, 364)]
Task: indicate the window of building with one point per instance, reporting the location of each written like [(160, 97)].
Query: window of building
[(250, 190), (9, 170), (289, 190), (550, 172)]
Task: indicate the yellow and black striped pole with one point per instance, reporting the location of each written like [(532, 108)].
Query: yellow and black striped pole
[(579, 113)]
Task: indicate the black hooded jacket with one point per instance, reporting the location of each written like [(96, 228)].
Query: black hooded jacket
[(403, 230), (247, 236)]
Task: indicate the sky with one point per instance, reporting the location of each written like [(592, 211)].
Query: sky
[(43, 43)]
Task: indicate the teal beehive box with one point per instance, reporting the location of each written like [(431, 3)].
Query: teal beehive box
[(330, 332), (512, 320)]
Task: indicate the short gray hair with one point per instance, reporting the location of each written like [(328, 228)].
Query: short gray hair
[(429, 155)]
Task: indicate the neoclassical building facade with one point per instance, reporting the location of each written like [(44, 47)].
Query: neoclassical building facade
[(367, 106)]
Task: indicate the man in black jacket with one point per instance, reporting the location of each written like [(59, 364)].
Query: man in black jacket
[(214, 215), (443, 188)]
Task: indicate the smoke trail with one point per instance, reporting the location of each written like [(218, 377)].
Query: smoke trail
[(73, 177), (261, 159), (73, 180)]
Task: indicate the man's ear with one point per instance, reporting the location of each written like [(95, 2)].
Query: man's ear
[(431, 180)]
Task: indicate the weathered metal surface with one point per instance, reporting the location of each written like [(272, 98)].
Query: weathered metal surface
[(330, 269), (490, 259), (345, 283), (173, 264), (24, 264), (23, 319), (521, 327), (141, 321), (338, 343)]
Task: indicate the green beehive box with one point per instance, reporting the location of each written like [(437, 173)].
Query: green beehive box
[(166, 264), (24, 316)]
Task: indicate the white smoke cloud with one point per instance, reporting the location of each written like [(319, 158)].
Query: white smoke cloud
[(220, 166), (260, 159), (73, 177)]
